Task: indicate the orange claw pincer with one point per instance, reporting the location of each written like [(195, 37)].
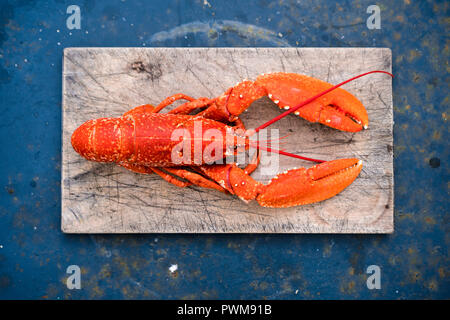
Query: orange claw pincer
[(294, 187), (320, 101)]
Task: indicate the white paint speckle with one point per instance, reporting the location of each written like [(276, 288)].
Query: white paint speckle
[(296, 291), (173, 268), (1, 246)]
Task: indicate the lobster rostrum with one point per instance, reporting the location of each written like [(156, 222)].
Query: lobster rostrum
[(141, 140)]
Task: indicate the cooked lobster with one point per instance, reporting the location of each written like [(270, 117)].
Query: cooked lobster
[(142, 140)]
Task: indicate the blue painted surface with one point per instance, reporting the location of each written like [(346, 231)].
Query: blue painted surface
[(34, 254)]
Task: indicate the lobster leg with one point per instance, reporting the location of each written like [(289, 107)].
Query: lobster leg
[(139, 168), (190, 106), (171, 179), (195, 178), (185, 108), (169, 100), (192, 177)]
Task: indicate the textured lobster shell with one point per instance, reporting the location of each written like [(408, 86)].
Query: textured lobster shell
[(147, 139)]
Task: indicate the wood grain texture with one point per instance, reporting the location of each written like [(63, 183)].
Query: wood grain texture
[(106, 82)]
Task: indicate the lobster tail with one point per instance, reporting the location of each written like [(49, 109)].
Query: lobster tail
[(99, 140)]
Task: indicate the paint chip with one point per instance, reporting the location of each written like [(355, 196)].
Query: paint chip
[(173, 268)]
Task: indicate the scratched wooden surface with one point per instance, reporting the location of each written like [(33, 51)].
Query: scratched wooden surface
[(104, 198)]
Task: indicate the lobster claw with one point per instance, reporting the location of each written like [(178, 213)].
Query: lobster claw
[(337, 109), (303, 186)]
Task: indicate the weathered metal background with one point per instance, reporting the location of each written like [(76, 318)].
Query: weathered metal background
[(34, 253)]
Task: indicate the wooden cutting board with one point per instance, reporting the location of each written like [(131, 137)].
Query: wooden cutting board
[(106, 82)]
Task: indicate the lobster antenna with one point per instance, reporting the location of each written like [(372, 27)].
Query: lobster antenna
[(284, 153), (284, 114)]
